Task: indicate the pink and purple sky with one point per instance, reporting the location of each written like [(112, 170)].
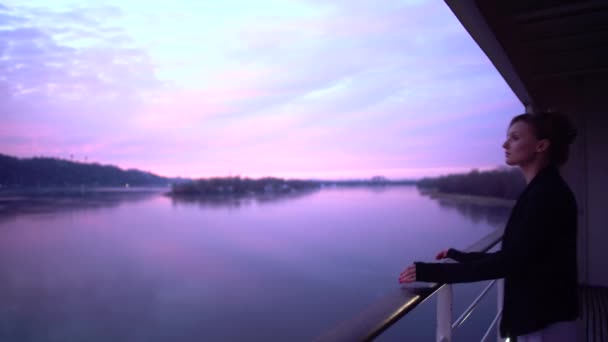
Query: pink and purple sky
[(311, 88)]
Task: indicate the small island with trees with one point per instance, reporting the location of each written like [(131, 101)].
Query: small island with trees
[(237, 186)]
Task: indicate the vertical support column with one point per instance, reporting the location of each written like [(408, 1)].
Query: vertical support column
[(500, 290), (444, 314)]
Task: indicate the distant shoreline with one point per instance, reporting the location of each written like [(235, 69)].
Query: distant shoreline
[(469, 199)]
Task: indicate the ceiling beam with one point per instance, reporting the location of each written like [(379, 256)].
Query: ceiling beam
[(560, 11)]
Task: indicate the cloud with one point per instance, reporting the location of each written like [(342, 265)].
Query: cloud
[(264, 87), (359, 54), (50, 74)]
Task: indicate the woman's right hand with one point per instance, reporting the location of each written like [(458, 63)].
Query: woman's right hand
[(442, 255)]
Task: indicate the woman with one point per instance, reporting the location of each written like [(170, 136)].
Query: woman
[(538, 255)]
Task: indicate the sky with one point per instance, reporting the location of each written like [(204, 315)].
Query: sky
[(297, 89)]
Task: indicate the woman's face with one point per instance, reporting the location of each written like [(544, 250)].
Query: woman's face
[(522, 146)]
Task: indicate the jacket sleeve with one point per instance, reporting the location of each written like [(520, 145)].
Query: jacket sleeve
[(460, 256), (526, 243), (491, 266)]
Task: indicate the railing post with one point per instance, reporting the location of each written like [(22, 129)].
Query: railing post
[(500, 288), (444, 314)]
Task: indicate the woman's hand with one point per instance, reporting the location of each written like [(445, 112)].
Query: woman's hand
[(442, 255), (408, 275)]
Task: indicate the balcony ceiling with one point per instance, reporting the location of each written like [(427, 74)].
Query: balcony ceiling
[(546, 42)]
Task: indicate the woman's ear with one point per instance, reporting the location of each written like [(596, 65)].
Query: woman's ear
[(543, 145)]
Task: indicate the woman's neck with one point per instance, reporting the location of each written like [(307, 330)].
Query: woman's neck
[(531, 170)]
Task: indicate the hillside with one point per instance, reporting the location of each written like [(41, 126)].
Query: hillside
[(52, 172)]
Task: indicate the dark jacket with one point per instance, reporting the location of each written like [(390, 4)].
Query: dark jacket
[(537, 259)]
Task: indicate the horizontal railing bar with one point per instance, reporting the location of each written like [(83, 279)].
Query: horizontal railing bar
[(487, 334), (379, 316), (376, 318), (471, 307)]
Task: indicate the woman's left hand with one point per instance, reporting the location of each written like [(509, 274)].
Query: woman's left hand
[(408, 275)]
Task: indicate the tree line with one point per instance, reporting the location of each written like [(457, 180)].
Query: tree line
[(53, 172), (505, 183), (241, 186), (266, 185)]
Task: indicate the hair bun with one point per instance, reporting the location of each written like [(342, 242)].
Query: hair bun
[(571, 135), (564, 129)]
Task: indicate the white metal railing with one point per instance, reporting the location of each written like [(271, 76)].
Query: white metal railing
[(472, 307), (489, 331), (444, 313), (445, 326)]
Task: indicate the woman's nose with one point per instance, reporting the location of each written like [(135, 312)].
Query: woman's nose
[(505, 144)]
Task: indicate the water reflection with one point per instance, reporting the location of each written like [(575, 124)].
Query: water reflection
[(495, 216), (235, 202), (14, 204)]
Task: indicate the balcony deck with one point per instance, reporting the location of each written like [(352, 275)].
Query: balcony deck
[(594, 313)]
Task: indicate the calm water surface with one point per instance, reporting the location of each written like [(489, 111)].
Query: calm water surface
[(139, 266)]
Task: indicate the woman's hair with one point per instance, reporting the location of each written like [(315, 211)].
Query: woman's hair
[(555, 127)]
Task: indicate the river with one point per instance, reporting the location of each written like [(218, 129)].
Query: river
[(141, 266)]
